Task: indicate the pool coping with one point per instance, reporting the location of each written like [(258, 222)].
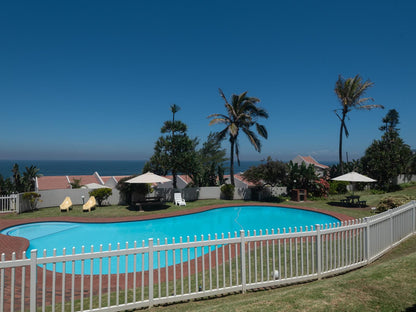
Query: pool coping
[(10, 244)]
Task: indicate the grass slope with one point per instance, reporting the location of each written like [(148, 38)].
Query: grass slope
[(386, 285)]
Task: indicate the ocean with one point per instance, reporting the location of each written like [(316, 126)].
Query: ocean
[(88, 167)]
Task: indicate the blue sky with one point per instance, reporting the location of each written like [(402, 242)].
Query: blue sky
[(95, 79)]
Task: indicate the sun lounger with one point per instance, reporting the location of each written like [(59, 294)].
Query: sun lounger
[(178, 199), (66, 204), (90, 204)]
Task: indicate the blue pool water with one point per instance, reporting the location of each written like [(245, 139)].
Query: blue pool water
[(59, 235)]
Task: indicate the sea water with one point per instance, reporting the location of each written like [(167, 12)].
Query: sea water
[(88, 167)]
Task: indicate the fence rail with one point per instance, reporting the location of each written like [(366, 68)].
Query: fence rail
[(155, 272)]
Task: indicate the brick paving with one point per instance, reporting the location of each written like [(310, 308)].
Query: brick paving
[(10, 244)]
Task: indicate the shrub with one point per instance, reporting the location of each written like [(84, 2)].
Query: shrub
[(321, 188), (338, 187), (32, 198), (76, 184), (101, 194), (392, 202), (376, 191), (407, 184), (228, 191)]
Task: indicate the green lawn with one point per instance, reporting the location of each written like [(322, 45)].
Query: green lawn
[(386, 285), (331, 204)]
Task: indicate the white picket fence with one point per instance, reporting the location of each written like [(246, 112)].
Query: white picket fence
[(9, 203), (226, 264)]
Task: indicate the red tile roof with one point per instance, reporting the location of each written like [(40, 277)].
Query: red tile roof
[(311, 160), (85, 179), (118, 178), (52, 183), (244, 180), (240, 178), (63, 182)]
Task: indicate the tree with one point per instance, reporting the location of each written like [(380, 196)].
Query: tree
[(174, 109), (32, 198), (385, 159), (101, 194), (174, 151), (354, 165), (273, 173), (212, 158), (19, 183), (76, 183), (301, 177), (17, 179), (29, 178), (6, 186), (350, 93), (390, 122), (242, 114)]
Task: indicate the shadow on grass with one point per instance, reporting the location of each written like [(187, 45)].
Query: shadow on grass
[(336, 204), (341, 205), (148, 207)]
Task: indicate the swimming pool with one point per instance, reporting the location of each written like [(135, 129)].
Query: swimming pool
[(59, 235)]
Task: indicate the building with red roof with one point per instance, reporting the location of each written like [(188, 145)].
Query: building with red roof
[(320, 169)]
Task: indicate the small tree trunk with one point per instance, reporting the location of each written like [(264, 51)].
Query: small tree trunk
[(174, 178), (340, 145), (232, 163)]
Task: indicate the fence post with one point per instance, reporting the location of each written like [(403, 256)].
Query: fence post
[(391, 228), (33, 279), (151, 272), (318, 251), (2, 285), (367, 240), (243, 261), (17, 203), (414, 216)]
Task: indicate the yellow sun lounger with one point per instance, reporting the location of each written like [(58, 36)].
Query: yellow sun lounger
[(66, 204), (90, 204)]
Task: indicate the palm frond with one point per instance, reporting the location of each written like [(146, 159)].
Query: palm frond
[(261, 130), (219, 121), (242, 97), (336, 113), (261, 112), (370, 106), (222, 95), (254, 140), (222, 134), (216, 115)]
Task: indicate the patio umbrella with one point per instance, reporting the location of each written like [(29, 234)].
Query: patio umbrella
[(354, 177), (148, 177)]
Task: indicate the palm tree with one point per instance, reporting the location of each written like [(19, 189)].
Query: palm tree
[(17, 179), (350, 93), (29, 178), (242, 114)]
